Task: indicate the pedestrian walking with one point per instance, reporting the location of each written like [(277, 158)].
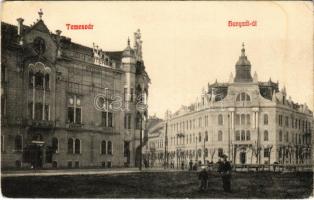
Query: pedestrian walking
[(191, 165), (203, 177), (225, 171)]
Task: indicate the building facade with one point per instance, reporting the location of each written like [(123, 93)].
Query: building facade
[(68, 105), (251, 122), (154, 148)]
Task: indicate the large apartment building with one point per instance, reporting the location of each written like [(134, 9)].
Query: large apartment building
[(248, 120)]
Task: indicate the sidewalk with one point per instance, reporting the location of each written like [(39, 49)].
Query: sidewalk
[(74, 172)]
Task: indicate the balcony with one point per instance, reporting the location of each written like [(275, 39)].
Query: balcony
[(44, 124), (74, 125)]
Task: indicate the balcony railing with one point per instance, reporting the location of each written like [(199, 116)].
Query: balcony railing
[(39, 123)]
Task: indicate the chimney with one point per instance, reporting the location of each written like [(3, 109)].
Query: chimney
[(19, 26)]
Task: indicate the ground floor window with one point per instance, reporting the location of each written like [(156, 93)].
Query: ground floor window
[(220, 152), (18, 143), (266, 152), (69, 164)]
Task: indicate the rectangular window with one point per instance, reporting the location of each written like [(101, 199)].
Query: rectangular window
[(3, 105), (2, 144), (242, 135), (127, 120), (74, 110), (237, 136), (220, 152), (237, 119), (78, 116), (104, 121), (38, 111), (71, 114), (69, 164), (248, 135), (131, 94), (47, 112), (266, 153), (125, 94)]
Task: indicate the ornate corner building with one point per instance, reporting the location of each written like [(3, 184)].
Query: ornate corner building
[(251, 122), (68, 105)]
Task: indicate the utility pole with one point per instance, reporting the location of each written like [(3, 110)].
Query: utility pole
[(229, 136), (166, 147), (140, 167), (204, 151)]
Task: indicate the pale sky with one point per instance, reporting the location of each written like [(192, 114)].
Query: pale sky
[(188, 44)]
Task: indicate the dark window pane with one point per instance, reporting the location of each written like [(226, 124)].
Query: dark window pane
[(78, 116), (71, 114)]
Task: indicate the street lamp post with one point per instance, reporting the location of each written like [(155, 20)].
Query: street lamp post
[(141, 142)]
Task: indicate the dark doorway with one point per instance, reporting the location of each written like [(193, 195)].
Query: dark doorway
[(33, 154), (242, 157)]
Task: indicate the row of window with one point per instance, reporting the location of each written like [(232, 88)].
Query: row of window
[(190, 124), (295, 123), (192, 153), (74, 145), (296, 138), (190, 138), (240, 119)]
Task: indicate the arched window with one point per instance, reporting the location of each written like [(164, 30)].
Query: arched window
[(103, 147), (265, 119), (70, 145), (199, 136), (265, 135), (18, 143), (109, 151), (77, 146), (280, 136), (243, 97), (219, 135), (248, 135), (55, 144), (287, 137), (220, 120), (206, 136)]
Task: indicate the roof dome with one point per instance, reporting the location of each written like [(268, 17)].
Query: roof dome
[(243, 58), (243, 68), (128, 51)]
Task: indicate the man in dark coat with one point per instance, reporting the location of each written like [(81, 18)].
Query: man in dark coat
[(203, 177), (225, 172), (191, 165)]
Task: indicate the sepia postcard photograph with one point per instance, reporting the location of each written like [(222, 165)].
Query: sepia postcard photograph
[(157, 99)]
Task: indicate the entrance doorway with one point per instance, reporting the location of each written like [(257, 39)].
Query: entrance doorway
[(33, 154), (242, 157)]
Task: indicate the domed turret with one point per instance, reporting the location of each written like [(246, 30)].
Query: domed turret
[(243, 68), (128, 51)]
